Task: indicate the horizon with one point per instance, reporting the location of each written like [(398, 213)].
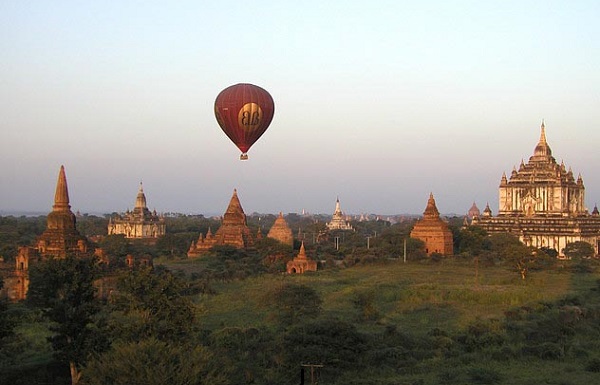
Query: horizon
[(376, 104)]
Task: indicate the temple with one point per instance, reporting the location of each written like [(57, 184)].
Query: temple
[(543, 204), (301, 263), (234, 231), (338, 222), (432, 230), (281, 231), (139, 223), (473, 212), (60, 239)]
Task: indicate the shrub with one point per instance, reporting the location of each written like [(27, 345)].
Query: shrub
[(593, 365), (480, 375)]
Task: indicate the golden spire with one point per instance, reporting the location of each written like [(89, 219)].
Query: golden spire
[(61, 197)]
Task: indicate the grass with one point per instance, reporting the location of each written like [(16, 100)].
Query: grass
[(415, 295)]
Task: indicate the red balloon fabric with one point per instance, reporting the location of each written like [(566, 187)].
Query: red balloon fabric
[(244, 112)]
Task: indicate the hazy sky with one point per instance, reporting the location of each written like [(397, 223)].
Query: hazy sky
[(377, 102)]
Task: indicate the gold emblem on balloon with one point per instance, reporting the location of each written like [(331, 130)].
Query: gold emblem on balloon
[(250, 116)]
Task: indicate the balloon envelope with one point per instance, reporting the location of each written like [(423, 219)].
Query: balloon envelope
[(244, 112)]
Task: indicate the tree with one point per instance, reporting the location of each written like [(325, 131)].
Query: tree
[(579, 250), (154, 362), (116, 246), (522, 258), (294, 303), (331, 342), (6, 324), (150, 304), (63, 289), (473, 241), (173, 245)]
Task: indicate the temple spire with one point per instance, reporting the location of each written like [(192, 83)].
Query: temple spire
[(140, 201), (542, 150), (61, 197), (234, 213), (431, 210), (543, 134), (302, 253), (338, 209)]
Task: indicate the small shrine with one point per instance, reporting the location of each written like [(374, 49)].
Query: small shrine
[(432, 230), (301, 263)]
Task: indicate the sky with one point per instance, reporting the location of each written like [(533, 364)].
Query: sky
[(378, 103)]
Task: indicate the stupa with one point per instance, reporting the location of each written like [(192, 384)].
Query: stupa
[(281, 231), (432, 230), (60, 239), (234, 231)]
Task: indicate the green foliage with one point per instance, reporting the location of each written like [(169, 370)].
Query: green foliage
[(18, 231), (63, 289), (6, 324), (579, 250), (89, 225), (330, 342), (246, 353), (551, 253), (116, 246), (150, 304), (294, 303), (174, 245), (364, 302), (430, 324), (226, 263), (154, 362), (473, 241), (190, 224), (484, 375), (593, 365)]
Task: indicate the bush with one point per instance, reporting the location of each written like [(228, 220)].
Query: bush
[(593, 365), (486, 376)]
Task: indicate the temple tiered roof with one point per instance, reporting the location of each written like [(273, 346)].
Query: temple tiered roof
[(233, 231)]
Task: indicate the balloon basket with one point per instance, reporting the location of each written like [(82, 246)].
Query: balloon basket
[(244, 156)]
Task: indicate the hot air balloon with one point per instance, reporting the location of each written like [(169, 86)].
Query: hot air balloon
[(244, 112)]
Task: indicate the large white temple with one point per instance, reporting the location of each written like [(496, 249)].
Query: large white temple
[(338, 221), (543, 204), (139, 223)]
